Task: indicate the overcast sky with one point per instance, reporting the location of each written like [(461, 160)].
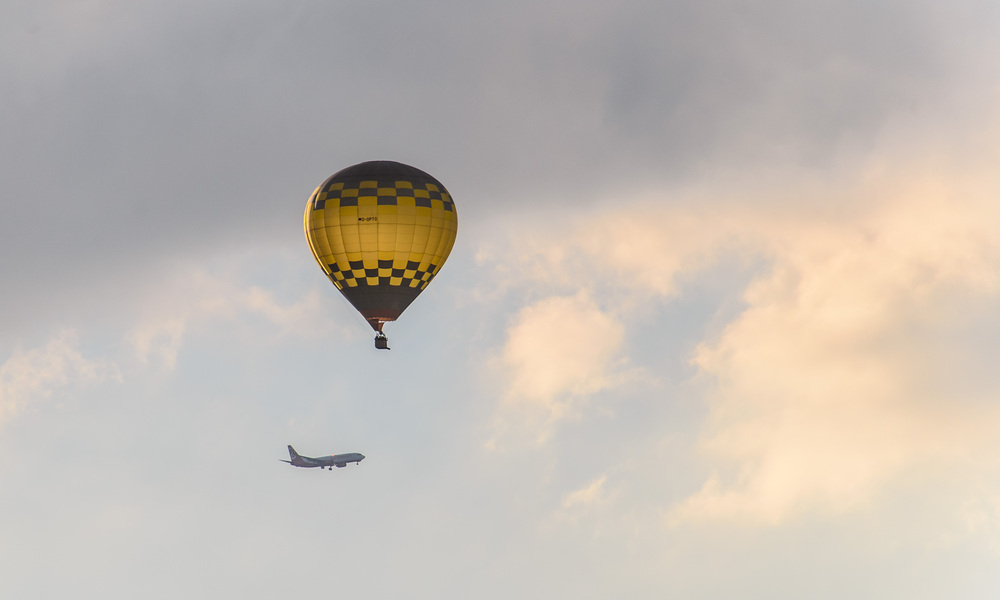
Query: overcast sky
[(721, 320)]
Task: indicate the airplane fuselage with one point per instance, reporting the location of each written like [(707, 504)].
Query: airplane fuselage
[(323, 462)]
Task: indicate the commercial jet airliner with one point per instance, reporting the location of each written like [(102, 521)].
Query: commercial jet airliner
[(329, 462)]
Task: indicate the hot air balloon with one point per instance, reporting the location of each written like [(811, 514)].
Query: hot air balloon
[(380, 230)]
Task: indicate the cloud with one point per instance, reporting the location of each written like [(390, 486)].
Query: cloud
[(561, 103), (32, 376), (160, 338), (560, 346), (559, 351), (640, 248), (862, 355), (840, 377), (586, 496), (197, 296), (584, 501), (298, 318)]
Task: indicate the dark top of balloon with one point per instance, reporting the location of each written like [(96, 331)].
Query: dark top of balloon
[(381, 170)]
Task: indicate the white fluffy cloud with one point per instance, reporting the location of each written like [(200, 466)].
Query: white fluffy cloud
[(561, 346), (559, 351), (28, 377), (840, 375), (862, 355)]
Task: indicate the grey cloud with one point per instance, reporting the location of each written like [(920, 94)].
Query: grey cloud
[(136, 134)]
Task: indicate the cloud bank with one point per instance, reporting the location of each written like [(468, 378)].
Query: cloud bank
[(861, 357)]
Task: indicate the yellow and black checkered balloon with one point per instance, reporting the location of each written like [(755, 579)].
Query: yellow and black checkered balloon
[(381, 230)]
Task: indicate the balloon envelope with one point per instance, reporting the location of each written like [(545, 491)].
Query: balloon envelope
[(380, 230)]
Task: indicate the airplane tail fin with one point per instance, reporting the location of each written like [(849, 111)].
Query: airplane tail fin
[(292, 453)]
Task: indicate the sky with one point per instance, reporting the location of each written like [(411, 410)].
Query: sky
[(720, 322)]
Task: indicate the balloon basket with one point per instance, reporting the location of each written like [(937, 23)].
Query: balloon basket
[(381, 342)]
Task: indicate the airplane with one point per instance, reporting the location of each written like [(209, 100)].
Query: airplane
[(337, 460)]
